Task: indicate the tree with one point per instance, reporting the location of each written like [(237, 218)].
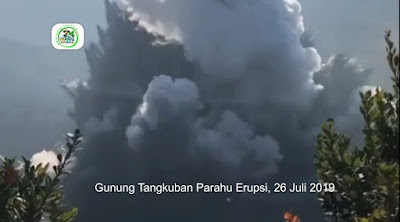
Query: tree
[(366, 180), (33, 193)]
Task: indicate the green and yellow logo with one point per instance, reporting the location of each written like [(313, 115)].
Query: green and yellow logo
[(67, 36)]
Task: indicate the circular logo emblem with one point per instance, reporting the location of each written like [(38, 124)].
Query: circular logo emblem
[(67, 36)]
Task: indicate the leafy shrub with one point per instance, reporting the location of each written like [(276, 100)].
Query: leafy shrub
[(32, 193), (367, 179)]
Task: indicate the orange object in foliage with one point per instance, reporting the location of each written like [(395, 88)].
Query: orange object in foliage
[(289, 217), (10, 176)]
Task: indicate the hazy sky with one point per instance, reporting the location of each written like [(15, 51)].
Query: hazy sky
[(353, 27), (32, 103), (22, 17)]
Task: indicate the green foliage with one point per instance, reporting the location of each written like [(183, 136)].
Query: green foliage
[(33, 193), (367, 179)]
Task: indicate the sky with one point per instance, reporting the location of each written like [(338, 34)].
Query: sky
[(33, 105)]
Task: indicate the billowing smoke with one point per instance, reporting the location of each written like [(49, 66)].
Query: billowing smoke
[(342, 79), (49, 157), (239, 39), (205, 91), (233, 141), (164, 101), (107, 123), (45, 157)]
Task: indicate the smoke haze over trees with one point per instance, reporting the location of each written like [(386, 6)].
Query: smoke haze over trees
[(206, 91)]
